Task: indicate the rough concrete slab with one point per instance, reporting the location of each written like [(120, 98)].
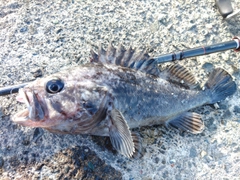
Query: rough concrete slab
[(49, 36)]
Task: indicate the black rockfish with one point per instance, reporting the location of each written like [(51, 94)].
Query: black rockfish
[(119, 90)]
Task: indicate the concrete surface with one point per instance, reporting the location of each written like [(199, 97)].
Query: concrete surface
[(48, 36)]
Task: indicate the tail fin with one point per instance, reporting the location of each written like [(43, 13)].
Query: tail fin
[(221, 85)]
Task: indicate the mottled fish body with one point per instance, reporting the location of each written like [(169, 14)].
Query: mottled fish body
[(119, 90)]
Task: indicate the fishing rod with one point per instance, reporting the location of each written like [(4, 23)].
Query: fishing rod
[(11, 89), (204, 50)]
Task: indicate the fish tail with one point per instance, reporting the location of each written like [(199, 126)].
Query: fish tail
[(220, 85)]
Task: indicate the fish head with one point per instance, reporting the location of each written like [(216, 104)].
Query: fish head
[(61, 103)]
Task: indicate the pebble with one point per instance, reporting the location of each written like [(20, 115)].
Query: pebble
[(172, 161), (236, 109), (86, 150), (203, 153), (216, 106), (193, 152), (156, 160), (208, 67), (37, 73), (24, 29), (227, 114)]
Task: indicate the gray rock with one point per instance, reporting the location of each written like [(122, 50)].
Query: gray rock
[(1, 162), (208, 67), (236, 109), (193, 152)]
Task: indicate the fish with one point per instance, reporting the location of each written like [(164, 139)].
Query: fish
[(118, 90)]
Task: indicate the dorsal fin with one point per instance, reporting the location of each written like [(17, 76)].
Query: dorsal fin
[(138, 60), (179, 75)]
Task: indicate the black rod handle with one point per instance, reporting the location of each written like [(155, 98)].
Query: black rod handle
[(11, 89)]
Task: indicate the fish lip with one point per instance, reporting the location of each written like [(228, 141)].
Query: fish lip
[(21, 116), (34, 109)]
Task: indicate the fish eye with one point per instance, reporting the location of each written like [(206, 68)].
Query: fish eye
[(54, 86)]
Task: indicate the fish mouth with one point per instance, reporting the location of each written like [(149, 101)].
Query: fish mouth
[(34, 111)]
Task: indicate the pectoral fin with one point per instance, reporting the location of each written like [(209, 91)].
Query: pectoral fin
[(120, 135), (188, 121)]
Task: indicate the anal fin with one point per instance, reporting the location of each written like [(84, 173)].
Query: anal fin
[(188, 121), (122, 139)]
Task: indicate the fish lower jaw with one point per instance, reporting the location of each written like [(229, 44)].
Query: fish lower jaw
[(22, 118)]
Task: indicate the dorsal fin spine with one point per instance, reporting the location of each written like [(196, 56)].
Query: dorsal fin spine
[(138, 60)]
